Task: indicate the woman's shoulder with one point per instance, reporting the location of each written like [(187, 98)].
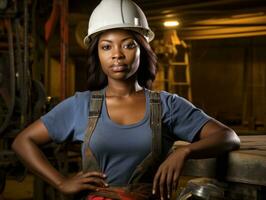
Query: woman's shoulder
[(166, 97), (82, 94), (76, 100), (170, 100)]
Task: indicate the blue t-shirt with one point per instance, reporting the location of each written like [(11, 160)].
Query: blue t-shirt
[(120, 148)]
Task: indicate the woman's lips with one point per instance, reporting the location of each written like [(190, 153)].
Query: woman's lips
[(119, 68)]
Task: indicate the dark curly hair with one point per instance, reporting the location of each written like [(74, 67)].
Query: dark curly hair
[(145, 74)]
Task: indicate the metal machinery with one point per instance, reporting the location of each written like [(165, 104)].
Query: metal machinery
[(14, 84), (22, 98)]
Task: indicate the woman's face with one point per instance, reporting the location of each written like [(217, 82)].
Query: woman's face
[(119, 54)]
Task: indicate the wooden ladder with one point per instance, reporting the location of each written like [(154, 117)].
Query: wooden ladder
[(179, 72)]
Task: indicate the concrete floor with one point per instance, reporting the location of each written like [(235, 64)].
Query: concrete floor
[(15, 190)]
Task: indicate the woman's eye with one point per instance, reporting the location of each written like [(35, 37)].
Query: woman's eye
[(131, 45), (106, 47)]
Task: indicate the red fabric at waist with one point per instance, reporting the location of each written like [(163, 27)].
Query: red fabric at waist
[(93, 197), (119, 194)]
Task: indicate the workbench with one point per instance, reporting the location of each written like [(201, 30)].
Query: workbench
[(243, 170)]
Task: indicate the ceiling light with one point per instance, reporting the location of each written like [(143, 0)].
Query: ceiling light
[(171, 23)]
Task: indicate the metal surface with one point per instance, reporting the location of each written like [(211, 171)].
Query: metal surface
[(203, 188), (247, 165)]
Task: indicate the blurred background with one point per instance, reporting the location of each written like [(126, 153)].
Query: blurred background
[(212, 52)]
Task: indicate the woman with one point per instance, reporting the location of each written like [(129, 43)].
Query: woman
[(122, 66)]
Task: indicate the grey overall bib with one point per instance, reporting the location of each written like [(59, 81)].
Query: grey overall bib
[(140, 183)]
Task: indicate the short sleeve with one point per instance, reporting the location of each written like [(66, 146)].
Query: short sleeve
[(181, 117), (60, 120), (68, 120)]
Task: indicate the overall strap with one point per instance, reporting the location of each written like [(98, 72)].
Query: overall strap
[(96, 99), (155, 123), (147, 167), (94, 112)]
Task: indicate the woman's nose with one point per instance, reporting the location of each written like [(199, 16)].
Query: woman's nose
[(118, 53)]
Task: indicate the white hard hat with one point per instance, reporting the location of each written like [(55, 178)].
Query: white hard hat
[(124, 14)]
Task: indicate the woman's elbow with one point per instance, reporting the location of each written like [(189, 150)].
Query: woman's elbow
[(233, 140), (16, 144)]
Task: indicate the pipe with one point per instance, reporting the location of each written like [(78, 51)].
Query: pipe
[(12, 74), (64, 45)]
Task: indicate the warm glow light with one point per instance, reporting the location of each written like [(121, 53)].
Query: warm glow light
[(171, 23)]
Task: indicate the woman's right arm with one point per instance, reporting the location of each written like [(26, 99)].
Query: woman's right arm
[(26, 145)]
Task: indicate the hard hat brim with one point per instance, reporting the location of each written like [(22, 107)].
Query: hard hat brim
[(146, 33)]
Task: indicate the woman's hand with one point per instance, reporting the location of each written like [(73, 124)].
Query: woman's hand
[(166, 177), (83, 181)]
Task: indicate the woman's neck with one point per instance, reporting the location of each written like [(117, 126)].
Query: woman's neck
[(122, 89)]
